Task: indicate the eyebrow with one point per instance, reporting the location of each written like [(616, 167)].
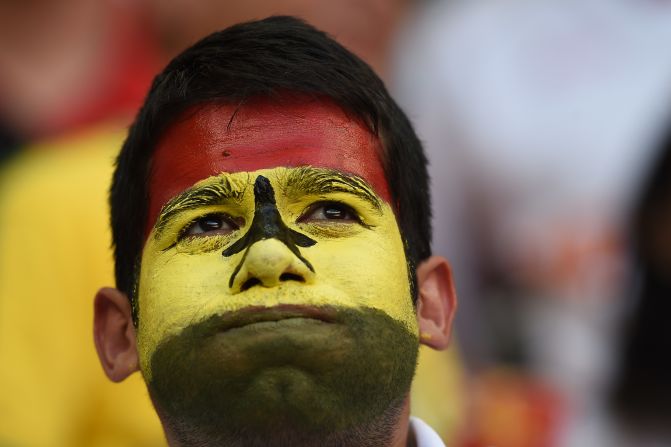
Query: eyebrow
[(318, 181), (221, 191)]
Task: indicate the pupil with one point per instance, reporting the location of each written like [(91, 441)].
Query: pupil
[(209, 224), (333, 213)]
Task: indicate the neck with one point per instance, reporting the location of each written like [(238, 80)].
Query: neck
[(401, 436)]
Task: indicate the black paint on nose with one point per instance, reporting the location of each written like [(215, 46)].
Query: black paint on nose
[(267, 224), (263, 191)]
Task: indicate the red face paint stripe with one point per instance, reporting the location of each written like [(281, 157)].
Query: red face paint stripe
[(262, 135)]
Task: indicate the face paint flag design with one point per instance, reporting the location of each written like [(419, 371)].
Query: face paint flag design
[(185, 279), (272, 293), (267, 224)]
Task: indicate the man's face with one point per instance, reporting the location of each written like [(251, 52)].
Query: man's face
[(273, 277)]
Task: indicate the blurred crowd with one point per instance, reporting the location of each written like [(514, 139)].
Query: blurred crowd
[(548, 129)]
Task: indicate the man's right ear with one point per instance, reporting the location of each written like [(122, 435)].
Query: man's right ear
[(114, 334)]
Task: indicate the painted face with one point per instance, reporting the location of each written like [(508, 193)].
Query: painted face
[(274, 262)]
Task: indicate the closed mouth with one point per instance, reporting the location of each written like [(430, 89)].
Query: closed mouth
[(258, 314)]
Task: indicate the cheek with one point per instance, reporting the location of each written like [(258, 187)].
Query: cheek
[(177, 290), (371, 269)]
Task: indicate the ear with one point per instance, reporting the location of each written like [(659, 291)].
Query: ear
[(114, 334), (436, 303)]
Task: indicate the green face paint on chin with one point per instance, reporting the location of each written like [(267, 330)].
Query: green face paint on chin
[(303, 380)]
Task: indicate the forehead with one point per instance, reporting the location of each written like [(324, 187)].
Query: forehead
[(260, 134)]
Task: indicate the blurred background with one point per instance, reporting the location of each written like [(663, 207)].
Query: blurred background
[(548, 129)]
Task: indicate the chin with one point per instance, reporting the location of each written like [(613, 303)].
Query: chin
[(344, 381)]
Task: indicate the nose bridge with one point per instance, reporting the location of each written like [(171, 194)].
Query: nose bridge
[(271, 253), (268, 263)]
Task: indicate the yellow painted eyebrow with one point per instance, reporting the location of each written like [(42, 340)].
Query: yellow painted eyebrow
[(318, 181), (222, 190)]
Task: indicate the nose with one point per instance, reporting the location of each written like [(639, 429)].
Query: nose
[(269, 263)]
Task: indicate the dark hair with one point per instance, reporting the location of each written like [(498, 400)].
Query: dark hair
[(642, 389), (267, 58)]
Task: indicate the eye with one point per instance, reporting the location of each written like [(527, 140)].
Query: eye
[(210, 225), (326, 211)]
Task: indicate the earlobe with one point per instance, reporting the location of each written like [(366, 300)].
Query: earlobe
[(436, 303), (114, 334)]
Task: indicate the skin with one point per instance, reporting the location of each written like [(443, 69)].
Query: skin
[(273, 262), (262, 135), (171, 299), (309, 382)]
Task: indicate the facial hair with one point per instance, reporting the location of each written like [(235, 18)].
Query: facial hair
[(299, 382)]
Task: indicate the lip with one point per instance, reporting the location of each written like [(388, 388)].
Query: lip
[(257, 314)]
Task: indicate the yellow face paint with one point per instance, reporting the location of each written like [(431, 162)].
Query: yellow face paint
[(356, 262)]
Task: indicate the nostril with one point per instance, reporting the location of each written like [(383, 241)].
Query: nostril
[(251, 282), (291, 277)]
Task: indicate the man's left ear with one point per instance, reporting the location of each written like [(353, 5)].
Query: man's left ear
[(436, 303)]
